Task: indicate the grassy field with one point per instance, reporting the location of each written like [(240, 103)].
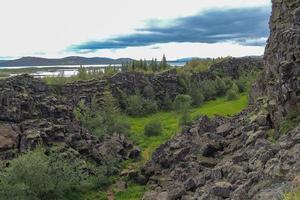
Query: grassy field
[(170, 120)]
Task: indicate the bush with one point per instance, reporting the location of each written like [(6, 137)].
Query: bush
[(209, 89), (101, 121), (167, 102), (137, 106), (220, 86), (197, 96), (35, 176), (185, 119), (153, 128), (231, 95), (182, 102)]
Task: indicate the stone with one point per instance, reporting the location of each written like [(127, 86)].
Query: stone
[(8, 137), (222, 189)]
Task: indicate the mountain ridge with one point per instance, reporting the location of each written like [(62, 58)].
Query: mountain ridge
[(71, 60)]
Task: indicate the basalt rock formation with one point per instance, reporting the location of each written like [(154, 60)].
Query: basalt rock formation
[(31, 115), (243, 157), (281, 80)]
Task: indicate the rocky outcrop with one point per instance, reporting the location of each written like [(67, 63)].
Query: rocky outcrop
[(31, 114), (282, 58), (225, 158)]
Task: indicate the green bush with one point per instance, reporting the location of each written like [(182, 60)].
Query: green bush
[(35, 176), (153, 128), (138, 106), (101, 121), (149, 106), (185, 119), (182, 102), (233, 93), (134, 105), (167, 102), (197, 96)]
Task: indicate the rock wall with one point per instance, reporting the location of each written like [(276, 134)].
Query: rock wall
[(30, 114), (282, 58)]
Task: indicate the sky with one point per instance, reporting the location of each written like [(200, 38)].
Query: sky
[(133, 28)]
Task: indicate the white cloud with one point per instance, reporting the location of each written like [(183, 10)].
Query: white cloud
[(35, 27)]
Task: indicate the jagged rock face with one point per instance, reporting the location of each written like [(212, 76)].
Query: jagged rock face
[(282, 57), (30, 115), (224, 158)]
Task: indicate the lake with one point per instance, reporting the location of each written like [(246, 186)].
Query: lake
[(60, 70)]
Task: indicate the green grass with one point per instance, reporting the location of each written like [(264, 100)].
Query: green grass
[(133, 192), (170, 120)]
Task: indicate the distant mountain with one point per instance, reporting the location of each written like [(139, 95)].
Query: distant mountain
[(73, 60)]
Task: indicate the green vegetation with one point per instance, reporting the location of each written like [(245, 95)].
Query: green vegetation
[(170, 121), (146, 66), (101, 120), (50, 175), (182, 102), (199, 65), (139, 106), (289, 122), (133, 192), (153, 128)]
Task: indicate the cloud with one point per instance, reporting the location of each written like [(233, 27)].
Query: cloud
[(246, 26)]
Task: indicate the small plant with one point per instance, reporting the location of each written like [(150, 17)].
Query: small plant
[(153, 128), (185, 119)]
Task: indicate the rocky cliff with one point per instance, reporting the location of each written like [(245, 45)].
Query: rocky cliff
[(30, 114), (281, 82), (239, 158)]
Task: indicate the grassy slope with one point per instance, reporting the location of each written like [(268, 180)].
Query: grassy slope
[(170, 126), (169, 121)]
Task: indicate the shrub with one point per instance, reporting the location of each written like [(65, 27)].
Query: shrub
[(182, 102), (220, 86), (231, 95), (134, 105), (208, 88), (137, 106), (185, 119), (197, 96), (153, 128), (149, 106), (167, 102), (37, 176)]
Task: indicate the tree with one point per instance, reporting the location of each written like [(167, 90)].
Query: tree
[(182, 102), (164, 63), (220, 86), (167, 102), (197, 96), (82, 73)]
